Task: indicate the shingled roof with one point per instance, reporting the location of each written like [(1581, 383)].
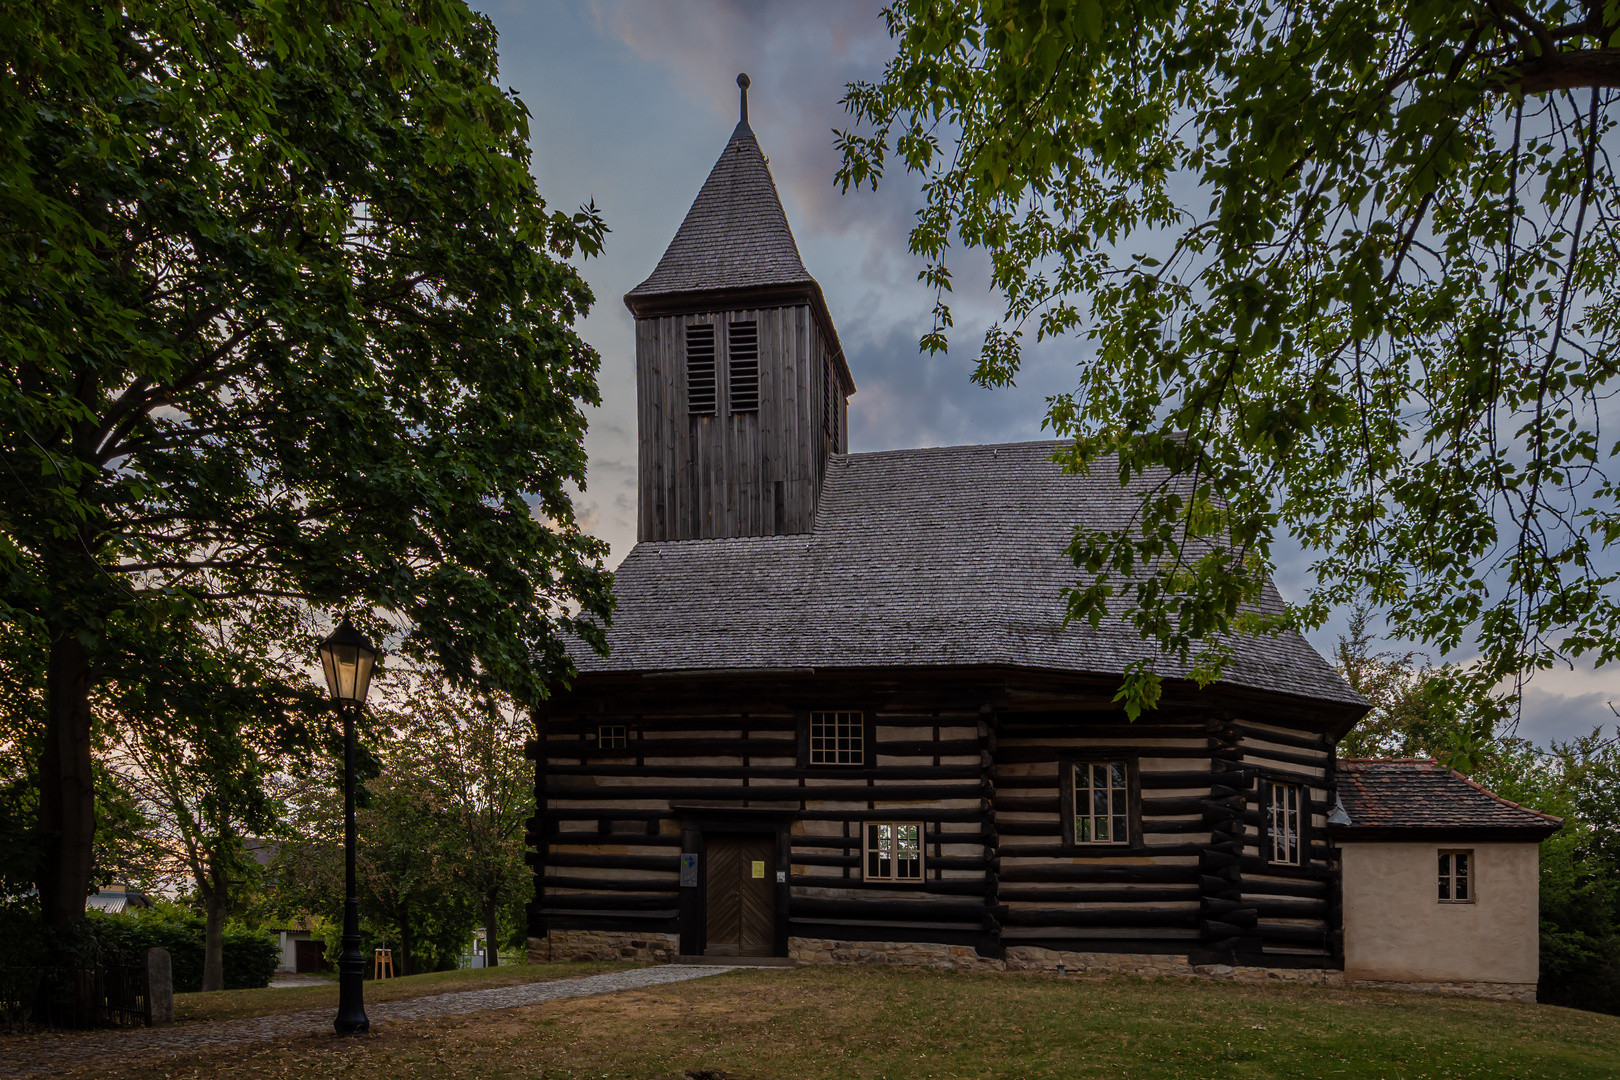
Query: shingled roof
[(919, 558), (1420, 799), (736, 234)]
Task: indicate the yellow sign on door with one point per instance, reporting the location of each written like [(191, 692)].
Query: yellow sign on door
[(759, 869)]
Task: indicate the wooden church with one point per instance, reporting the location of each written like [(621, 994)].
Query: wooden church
[(842, 718)]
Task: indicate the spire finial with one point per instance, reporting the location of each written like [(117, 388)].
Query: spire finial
[(743, 83)]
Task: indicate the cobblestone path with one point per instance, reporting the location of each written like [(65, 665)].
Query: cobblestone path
[(107, 1049)]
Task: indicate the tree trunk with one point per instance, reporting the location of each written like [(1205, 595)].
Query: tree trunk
[(405, 964), (491, 954), (67, 812), (217, 899)]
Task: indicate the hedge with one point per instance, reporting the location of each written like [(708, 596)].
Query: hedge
[(251, 956)]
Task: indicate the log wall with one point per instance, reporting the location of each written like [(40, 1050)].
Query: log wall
[(986, 781)]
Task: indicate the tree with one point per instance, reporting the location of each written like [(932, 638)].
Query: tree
[(1347, 270), (469, 754), (199, 727), (283, 317)]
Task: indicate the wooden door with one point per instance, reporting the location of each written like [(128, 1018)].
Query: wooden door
[(741, 895)]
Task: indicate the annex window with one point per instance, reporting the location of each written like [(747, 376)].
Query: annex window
[(743, 351), (894, 851), (837, 738), (1101, 803), (700, 369), (1282, 821), (612, 737), (1456, 877)]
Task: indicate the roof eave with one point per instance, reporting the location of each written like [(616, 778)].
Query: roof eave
[(788, 294), (1527, 834)]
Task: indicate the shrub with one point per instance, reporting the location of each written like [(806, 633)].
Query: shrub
[(250, 956)]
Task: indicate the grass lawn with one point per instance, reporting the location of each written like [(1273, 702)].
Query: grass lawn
[(238, 1004), (842, 1023)]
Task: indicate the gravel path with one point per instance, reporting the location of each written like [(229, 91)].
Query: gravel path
[(108, 1049)]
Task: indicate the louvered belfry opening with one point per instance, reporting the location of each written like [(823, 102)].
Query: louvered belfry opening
[(742, 342), (740, 378), (700, 382)]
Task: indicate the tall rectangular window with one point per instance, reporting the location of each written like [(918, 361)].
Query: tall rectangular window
[(837, 738), (1456, 877), (894, 851), (743, 342), (1101, 803), (700, 389), (1283, 819)]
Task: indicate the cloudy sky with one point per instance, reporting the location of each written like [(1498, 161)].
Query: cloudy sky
[(634, 99)]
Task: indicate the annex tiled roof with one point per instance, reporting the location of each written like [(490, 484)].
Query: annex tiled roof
[(1388, 797), (937, 557), (736, 234)]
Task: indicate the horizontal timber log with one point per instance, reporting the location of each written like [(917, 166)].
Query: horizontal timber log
[(1261, 756), (670, 863), (1315, 937), (1314, 889), (641, 885), (1254, 864), (1290, 908), (642, 838), (777, 793), (1014, 894), (588, 813), (919, 910), (942, 888), (1096, 851), (1132, 918), (1071, 872), (1031, 755), (1301, 742), (976, 839), (765, 772), (664, 902)]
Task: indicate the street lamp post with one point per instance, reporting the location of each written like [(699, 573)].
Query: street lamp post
[(347, 658)]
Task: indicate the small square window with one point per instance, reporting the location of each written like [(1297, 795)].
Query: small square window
[(1456, 877), (894, 851), (1282, 818), (1101, 803), (612, 737), (837, 738)]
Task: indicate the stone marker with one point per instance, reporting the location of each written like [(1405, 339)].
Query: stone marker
[(159, 988)]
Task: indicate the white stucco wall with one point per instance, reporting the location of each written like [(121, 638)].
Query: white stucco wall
[(1396, 930)]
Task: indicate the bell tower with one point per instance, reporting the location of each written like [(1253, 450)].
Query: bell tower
[(741, 384)]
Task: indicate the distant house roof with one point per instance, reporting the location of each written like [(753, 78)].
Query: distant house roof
[(918, 558), (1420, 799), (735, 236), (116, 899)]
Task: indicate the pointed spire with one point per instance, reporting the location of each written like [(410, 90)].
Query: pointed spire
[(736, 235)]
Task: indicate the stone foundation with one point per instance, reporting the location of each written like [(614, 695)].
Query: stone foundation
[(1033, 958), (603, 945), (901, 953), (561, 945), (1497, 991)]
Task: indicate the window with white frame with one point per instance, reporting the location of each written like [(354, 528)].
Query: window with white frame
[(837, 738), (1283, 820), (1101, 803), (1456, 877), (612, 737), (894, 851)]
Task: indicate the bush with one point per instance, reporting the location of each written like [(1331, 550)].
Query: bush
[(251, 956)]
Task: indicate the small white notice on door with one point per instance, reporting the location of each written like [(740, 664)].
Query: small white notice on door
[(759, 869)]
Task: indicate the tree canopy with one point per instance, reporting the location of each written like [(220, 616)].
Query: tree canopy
[(1345, 271), (284, 319)]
